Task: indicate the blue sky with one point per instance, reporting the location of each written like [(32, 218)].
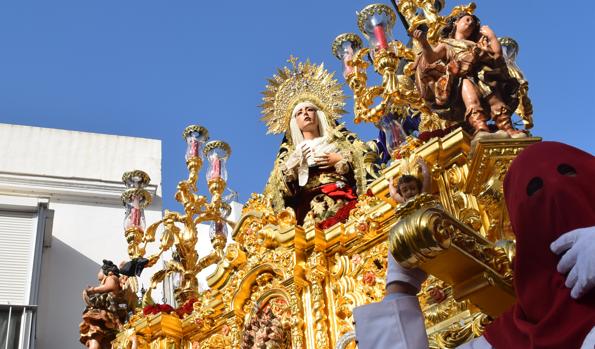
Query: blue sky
[(149, 68)]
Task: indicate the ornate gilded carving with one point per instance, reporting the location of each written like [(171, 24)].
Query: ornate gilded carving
[(297, 316), (429, 15), (429, 238), (487, 168), (460, 332), (322, 275), (356, 280), (279, 285), (317, 273)]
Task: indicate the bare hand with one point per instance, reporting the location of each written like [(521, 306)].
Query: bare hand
[(305, 151), (85, 296), (486, 31), (422, 164), (328, 159), (420, 36), (484, 44)]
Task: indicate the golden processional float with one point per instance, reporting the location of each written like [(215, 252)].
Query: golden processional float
[(280, 284)]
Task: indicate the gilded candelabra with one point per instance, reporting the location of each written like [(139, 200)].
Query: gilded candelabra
[(135, 199), (391, 59), (180, 228), (376, 22)]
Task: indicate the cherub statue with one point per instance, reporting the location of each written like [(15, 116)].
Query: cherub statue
[(107, 307), (465, 77), (409, 186)]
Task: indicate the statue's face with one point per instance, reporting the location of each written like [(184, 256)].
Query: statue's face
[(409, 189), (307, 120), (100, 275), (465, 25)]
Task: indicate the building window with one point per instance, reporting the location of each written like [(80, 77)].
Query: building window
[(17, 324), (21, 238)]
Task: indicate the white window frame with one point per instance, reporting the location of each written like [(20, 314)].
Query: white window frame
[(43, 236)]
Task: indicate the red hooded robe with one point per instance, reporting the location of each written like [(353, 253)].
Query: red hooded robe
[(549, 190)]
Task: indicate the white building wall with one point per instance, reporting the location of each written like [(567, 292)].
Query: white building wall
[(78, 174)]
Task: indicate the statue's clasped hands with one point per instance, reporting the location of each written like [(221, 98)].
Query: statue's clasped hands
[(327, 160), (487, 32)]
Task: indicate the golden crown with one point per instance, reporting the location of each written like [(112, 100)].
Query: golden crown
[(303, 82)]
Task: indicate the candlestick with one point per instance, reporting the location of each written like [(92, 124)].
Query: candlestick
[(216, 167), (195, 137), (380, 37), (216, 153), (376, 22), (346, 58), (344, 48)]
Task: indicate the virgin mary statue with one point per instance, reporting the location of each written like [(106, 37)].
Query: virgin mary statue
[(321, 167)]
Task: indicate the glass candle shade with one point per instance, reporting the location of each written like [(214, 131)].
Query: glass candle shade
[(176, 279), (395, 135), (216, 154), (510, 49), (225, 209), (136, 179), (217, 228), (376, 22), (195, 137), (345, 46), (135, 200), (135, 217)]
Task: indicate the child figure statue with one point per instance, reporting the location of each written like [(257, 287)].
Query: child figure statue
[(409, 186), (103, 315)]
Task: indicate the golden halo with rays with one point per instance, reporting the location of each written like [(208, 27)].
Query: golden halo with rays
[(303, 82)]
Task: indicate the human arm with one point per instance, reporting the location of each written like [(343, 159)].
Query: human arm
[(397, 322), (493, 45), (111, 284), (403, 284), (425, 172), (295, 161), (328, 159), (430, 53), (578, 260), (403, 280), (339, 159)]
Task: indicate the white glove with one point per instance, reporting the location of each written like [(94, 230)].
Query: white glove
[(395, 272), (579, 259)]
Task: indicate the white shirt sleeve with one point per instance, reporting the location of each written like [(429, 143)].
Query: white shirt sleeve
[(397, 323), (394, 323), (589, 342)]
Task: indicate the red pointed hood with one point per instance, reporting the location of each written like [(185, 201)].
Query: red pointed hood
[(549, 190)]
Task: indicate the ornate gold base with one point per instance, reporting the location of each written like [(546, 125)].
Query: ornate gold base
[(300, 285)]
